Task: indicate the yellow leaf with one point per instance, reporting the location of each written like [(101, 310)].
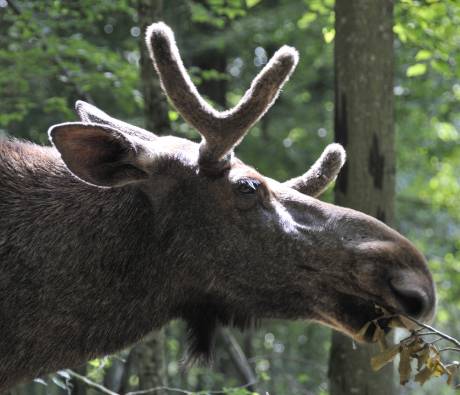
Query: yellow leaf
[(380, 360)]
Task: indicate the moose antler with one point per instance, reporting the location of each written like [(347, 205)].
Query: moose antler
[(221, 130), (322, 173)]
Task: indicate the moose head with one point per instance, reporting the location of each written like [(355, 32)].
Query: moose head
[(245, 246), (152, 228)]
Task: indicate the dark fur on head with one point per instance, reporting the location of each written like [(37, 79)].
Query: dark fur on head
[(114, 231)]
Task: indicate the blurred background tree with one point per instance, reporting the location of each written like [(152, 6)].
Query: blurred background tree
[(364, 125), (54, 52)]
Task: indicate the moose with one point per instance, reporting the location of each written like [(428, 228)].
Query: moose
[(115, 231)]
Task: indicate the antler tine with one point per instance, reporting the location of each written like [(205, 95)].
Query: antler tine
[(260, 96), (322, 173), (221, 130), (175, 80)]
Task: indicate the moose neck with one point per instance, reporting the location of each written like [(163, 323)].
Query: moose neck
[(81, 254)]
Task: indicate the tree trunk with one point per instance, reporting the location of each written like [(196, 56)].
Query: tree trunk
[(149, 356), (364, 125)]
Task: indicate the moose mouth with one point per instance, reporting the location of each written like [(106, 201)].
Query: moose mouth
[(363, 320), (371, 331)]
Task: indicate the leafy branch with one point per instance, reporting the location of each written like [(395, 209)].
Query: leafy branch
[(417, 346), (57, 60)]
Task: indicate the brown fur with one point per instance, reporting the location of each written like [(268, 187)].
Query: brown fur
[(126, 231)]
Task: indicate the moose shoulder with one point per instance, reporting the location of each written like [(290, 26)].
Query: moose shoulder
[(115, 231)]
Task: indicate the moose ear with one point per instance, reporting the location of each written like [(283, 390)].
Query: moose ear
[(100, 155), (91, 114)]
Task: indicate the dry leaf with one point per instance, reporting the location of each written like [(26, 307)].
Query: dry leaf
[(380, 360), (378, 335), (407, 323), (416, 346), (439, 369), (362, 332), (395, 323), (422, 356), (424, 375), (404, 366), (452, 369), (429, 363)]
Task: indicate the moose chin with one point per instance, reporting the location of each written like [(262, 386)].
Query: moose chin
[(114, 231)]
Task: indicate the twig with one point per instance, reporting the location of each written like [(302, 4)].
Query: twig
[(105, 390), (449, 349), (90, 383), (435, 341), (431, 329), (238, 357), (161, 388), (204, 392)]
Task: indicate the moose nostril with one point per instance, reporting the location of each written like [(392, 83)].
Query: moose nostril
[(414, 301)]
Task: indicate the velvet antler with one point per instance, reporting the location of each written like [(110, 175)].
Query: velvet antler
[(322, 173), (221, 131)]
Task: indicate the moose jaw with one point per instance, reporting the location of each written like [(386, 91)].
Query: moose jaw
[(115, 231)]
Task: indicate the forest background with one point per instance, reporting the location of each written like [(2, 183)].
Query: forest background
[(53, 53)]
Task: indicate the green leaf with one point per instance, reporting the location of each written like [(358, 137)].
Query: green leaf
[(416, 70), (173, 115), (306, 20), (423, 54), (328, 35), (252, 3)]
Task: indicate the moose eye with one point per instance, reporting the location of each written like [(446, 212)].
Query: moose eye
[(248, 186)]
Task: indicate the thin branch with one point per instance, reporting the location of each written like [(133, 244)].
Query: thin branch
[(90, 383), (431, 329), (238, 357), (204, 392), (161, 388), (106, 391), (449, 349)]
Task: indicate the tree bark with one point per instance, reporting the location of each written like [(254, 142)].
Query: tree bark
[(364, 124), (149, 356)]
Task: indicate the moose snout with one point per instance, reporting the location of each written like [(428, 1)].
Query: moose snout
[(399, 269), (414, 294)]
